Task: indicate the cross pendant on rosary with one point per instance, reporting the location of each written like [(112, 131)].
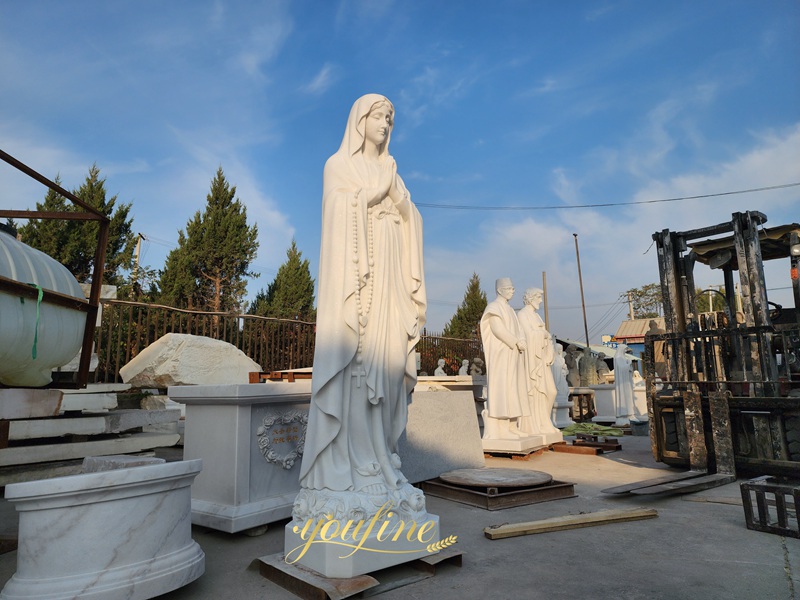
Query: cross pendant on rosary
[(358, 374)]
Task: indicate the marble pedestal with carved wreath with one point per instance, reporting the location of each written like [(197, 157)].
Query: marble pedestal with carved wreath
[(251, 439)]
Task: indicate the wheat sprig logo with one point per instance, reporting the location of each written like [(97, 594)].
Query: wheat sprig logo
[(442, 544)]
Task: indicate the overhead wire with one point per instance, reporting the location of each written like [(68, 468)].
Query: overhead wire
[(605, 204)]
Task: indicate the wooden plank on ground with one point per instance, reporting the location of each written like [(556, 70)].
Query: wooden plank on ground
[(569, 522), (624, 489), (577, 449), (24, 403), (690, 485)]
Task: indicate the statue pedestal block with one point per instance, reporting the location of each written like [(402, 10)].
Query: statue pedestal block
[(561, 412), (333, 557), (525, 444), (250, 437), (552, 437), (604, 403)]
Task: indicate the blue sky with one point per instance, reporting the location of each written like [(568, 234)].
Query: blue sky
[(503, 103)]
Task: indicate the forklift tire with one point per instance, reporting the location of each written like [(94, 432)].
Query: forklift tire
[(791, 425), (671, 432)]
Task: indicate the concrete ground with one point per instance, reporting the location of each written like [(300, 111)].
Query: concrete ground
[(697, 548)]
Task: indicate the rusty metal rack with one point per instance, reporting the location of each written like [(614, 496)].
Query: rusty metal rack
[(777, 506), (288, 376), (596, 441), (83, 212)]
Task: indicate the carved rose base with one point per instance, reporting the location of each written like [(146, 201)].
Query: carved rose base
[(407, 502)]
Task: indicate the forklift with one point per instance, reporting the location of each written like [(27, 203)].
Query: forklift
[(723, 387)]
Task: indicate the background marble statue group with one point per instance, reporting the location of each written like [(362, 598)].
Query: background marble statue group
[(526, 369)]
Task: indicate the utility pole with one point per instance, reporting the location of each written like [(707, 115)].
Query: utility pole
[(580, 282), (630, 307), (136, 253), (544, 289)]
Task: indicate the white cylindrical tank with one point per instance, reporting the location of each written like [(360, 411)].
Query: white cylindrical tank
[(56, 332)]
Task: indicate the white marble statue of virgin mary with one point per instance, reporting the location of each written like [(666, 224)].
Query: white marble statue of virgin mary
[(370, 312)]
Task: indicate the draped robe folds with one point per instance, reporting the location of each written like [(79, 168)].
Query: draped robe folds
[(539, 357), (623, 384), (370, 257), (505, 365), (560, 372)]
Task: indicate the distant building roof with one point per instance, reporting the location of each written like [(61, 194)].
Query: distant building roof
[(632, 332)]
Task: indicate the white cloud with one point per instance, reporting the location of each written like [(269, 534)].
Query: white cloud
[(432, 89), (261, 44), (362, 12), (322, 81), (565, 188)]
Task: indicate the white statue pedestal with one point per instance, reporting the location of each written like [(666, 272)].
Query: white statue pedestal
[(561, 412), (121, 533), (250, 437), (604, 403), (378, 549), (514, 445)]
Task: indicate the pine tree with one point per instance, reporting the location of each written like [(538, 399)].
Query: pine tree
[(465, 324), (73, 243), (178, 282), (291, 293), (208, 268)]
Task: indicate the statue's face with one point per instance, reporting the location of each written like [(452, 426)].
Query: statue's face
[(506, 292), (378, 124)]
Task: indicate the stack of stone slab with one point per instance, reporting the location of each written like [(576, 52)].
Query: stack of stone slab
[(47, 432)]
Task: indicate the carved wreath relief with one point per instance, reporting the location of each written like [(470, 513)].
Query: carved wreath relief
[(280, 429)]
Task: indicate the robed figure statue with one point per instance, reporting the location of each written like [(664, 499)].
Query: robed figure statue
[(370, 312)]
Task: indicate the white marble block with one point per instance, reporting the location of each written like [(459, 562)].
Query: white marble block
[(183, 359), (121, 533), (251, 439), (442, 434), (605, 402)]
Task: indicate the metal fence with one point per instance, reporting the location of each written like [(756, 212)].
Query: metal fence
[(127, 328), (433, 346)]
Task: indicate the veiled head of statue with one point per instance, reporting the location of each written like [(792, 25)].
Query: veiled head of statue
[(355, 134)]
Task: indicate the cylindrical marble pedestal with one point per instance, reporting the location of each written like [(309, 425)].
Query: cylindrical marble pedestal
[(123, 533)]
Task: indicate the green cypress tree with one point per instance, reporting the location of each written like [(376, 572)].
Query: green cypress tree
[(208, 268), (291, 293), (178, 282), (73, 243), (465, 323)]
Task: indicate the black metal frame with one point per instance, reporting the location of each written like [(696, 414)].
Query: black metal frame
[(720, 398)]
